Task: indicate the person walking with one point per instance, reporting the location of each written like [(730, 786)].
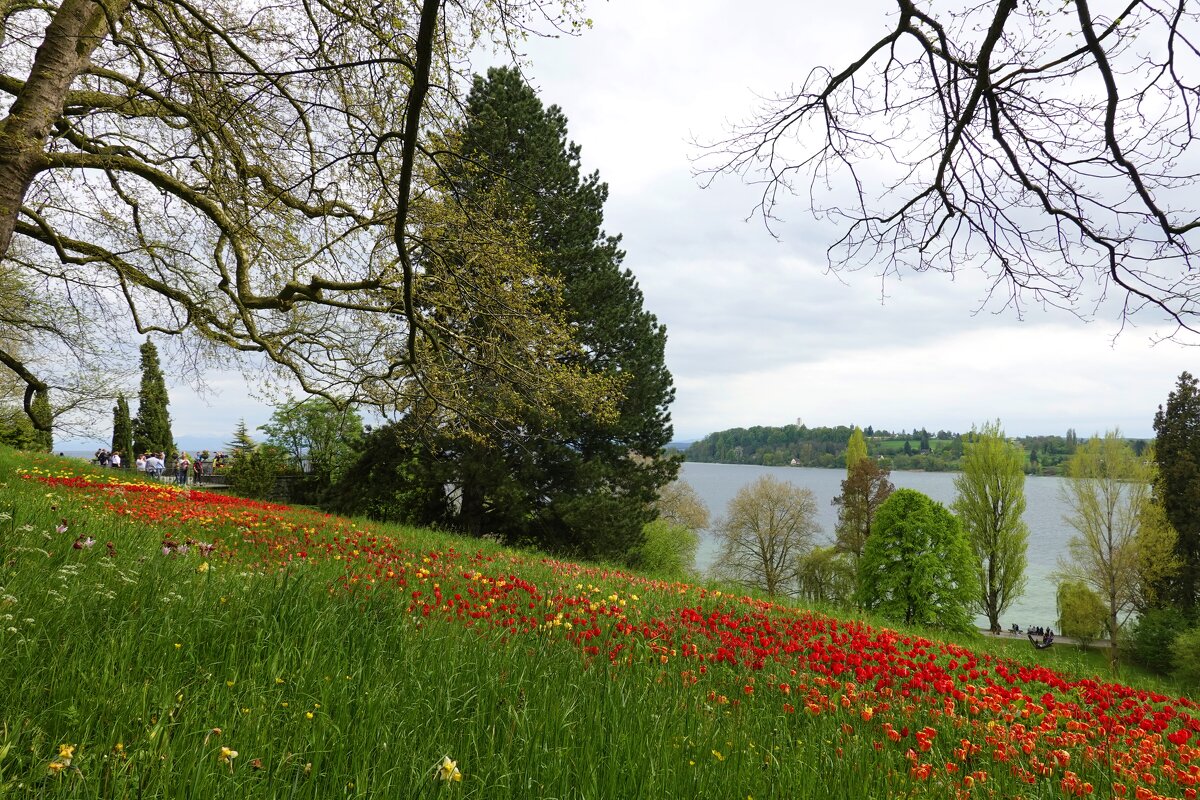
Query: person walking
[(182, 465)]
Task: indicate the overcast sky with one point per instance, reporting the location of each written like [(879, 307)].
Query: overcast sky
[(758, 332)]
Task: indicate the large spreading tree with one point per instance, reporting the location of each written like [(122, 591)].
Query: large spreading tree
[(257, 178), (990, 505), (1177, 490), (565, 478)]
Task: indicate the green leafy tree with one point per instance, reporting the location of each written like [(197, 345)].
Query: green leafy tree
[(1153, 635), (122, 438), (1081, 612), (1185, 655), (1177, 490), (865, 489), (152, 427), (990, 505), (1107, 489), (319, 437), (564, 479), (917, 566), (242, 440), (668, 550), (769, 525), (826, 575)]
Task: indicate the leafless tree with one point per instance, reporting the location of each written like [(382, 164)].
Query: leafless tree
[(259, 177), (1047, 143)]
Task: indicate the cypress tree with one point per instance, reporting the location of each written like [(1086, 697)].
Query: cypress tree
[(152, 427), (122, 438)]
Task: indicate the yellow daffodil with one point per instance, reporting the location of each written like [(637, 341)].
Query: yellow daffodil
[(447, 770), (227, 756)]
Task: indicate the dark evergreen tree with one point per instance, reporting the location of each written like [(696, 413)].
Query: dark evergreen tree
[(1177, 489), (152, 427), (122, 438), (242, 441), (567, 482)]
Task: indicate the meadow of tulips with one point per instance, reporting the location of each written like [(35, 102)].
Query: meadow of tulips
[(157, 642)]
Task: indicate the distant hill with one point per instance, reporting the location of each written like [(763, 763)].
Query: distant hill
[(799, 445)]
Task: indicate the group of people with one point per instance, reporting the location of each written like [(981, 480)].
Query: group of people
[(106, 459), (156, 466)]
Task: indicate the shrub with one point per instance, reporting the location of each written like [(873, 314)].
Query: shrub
[(254, 473), (1153, 635), (1081, 612), (668, 551), (1185, 652)]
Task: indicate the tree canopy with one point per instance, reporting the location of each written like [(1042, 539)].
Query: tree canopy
[(257, 177), (768, 526), (917, 566), (1049, 147), (1177, 490), (572, 476), (990, 505)]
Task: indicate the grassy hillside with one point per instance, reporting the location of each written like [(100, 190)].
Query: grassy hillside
[(166, 643)]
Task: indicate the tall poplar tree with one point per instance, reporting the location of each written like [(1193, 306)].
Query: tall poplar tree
[(990, 502), (569, 481), (1177, 488), (122, 438), (152, 427)]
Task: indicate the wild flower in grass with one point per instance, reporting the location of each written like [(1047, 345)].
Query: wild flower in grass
[(61, 527), (65, 753), (83, 542), (447, 770), (226, 756), (203, 567)]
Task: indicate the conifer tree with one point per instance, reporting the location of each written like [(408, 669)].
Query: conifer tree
[(152, 427), (1177, 489), (122, 438), (570, 481)]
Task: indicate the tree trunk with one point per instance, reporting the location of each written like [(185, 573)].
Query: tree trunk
[(74, 33)]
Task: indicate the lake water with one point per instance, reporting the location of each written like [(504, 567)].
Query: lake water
[(1044, 511)]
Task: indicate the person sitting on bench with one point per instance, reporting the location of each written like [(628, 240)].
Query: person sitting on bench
[(1047, 640)]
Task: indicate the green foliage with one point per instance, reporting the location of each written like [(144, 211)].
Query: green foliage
[(152, 427), (122, 438), (1185, 656), (16, 430), (1081, 613), (1177, 449), (864, 490), (242, 441), (394, 479), (1152, 636), (826, 576), (668, 551), (768, 526), (856, 448), (1107, 490), (564, 479), (917, 566), (320, 439), (990, 505), (255, 472)]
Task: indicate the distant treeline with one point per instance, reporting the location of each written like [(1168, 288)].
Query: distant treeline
[(802, 446)]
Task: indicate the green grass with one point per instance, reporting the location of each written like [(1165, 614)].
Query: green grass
[(328, 685)]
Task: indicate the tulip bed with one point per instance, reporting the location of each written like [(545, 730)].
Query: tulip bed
[(164, 642)]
